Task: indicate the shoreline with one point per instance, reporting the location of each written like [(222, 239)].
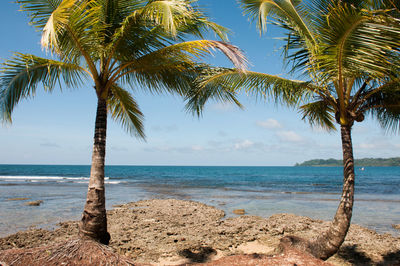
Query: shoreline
[(167, 231), (261, 191), (50, 212)]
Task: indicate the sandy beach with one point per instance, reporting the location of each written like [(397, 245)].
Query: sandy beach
[(176, 232)]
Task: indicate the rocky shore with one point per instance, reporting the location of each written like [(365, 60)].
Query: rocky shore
[(175, 232)]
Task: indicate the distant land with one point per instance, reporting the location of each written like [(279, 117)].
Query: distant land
[(358, 162)]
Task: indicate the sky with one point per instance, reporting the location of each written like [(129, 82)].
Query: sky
[(58, 128)]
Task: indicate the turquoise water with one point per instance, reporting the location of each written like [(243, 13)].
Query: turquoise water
[(263, 191)]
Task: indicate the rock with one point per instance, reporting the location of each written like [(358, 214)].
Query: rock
[(34, 203), (396, 226), (239, 211), (139, 230)]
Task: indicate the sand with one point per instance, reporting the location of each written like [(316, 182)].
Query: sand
[(175, 232)]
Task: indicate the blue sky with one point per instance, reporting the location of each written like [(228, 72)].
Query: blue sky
[(57, 128)]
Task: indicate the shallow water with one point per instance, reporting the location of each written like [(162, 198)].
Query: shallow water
[(263, 191)]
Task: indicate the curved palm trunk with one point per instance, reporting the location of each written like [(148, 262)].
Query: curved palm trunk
[(94, 220), (329, 243)]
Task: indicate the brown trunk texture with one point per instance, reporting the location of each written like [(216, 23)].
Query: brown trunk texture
[(329, 243), (94, 220)]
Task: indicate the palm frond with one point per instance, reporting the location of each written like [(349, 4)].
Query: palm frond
[(384, 105), (39, 11), (20, 76), (135, 38), (192, 50), (285, 91), (56, 22), (200, 94), (83, 35), (124, 109), (356, 42), (183, 55), (167, 13), (259, 10), (319, 113), (168, 76)]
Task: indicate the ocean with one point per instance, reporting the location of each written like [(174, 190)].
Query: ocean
[(262, 191)]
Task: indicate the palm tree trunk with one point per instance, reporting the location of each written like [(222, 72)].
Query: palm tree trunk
[(329, 243), (94, 220)]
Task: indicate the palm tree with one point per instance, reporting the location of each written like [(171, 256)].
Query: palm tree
[(348, 52), (115, 44)]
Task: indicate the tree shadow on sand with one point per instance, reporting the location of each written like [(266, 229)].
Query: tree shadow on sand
[(392, 258), (357, 258), (199, 254)]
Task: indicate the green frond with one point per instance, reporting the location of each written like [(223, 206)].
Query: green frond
[(200, 24), (287, 10), (20, 76), (200, 94), (384, 105), (192, 50), (355, 42), (124, 109), (389, 119), (39, 11), (167, 13), (83, 35), (165, 77), (180, 18), (289, 92), (55, 23), (348, 49), (152, 70), (319, 113)]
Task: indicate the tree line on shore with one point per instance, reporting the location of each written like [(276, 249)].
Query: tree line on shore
[(395, 161)]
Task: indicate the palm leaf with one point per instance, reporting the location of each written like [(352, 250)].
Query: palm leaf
[(167, 13), (55, 23), (39, 10), (259, 10), (282, 90), (21, 75), (164, 77), (124, 109), (350, 48), (319, 113), (190, 51), (177, 58), (384, 104), (200, 93)]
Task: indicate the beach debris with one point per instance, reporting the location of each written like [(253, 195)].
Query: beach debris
[(34, 203), (18, 198), (239, 211), (70, 252)]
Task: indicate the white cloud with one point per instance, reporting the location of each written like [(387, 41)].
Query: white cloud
[(289, 136), (318, 129), (269, 123), (243, 145), (197, 148)]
